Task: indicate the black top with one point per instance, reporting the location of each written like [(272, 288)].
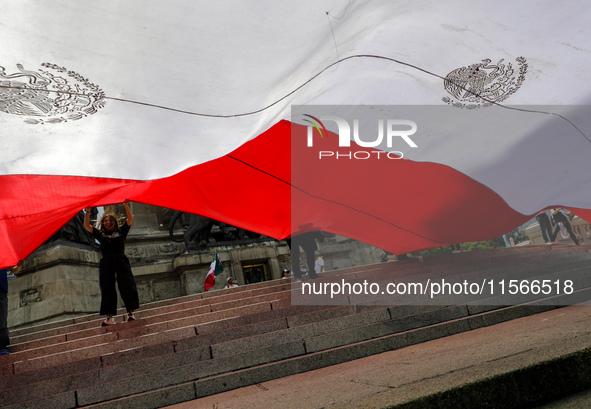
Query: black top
[(113, 243), (560, 217)]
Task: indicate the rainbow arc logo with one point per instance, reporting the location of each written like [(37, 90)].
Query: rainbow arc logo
[(316, 124)]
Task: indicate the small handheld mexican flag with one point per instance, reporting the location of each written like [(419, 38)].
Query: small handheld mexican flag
[(215, 269)]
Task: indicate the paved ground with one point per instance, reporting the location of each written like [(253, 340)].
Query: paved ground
[(398, 376), (577, 401)]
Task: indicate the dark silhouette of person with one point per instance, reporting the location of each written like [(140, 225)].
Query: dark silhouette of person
[(559, 216), (307, 242), (545, 226)]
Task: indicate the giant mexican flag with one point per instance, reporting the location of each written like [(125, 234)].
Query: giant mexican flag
[(189, 105)]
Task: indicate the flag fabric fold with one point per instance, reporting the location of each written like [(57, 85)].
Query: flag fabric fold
[(102, 102)]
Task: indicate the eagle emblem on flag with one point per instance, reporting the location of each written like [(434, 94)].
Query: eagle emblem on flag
[(52, 94), (484, 83)]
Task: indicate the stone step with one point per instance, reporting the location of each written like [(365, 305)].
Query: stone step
[(576, 269), (115, 339), (259, 288), (390, 271), (110, 368), (218, 358), (369, 323), (207, 346), (294, 317), (135, 342), (401, 266), (541, 257), (480, 257), (88, 328), (93, 320), (145, 320), (171, 341), (170, 317), (530, 362), (279, 361)]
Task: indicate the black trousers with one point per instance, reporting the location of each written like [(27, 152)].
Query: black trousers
[(545, 226), (568, 229), (115, 269), (4, 335), (308, 243)]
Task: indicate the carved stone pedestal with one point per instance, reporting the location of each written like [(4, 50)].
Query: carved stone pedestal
[(54, 283)]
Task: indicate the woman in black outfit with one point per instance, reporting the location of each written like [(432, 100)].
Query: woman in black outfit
[(559, 216), (114, 266)]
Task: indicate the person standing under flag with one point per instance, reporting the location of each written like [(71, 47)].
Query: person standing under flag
[(4, 333), (114, 267), (215, 269), (560, 216)]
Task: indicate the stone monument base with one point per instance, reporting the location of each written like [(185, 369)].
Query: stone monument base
[(55, 282), (60, 279)]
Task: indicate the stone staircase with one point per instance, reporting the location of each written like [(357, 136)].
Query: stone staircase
[(194, 346)]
